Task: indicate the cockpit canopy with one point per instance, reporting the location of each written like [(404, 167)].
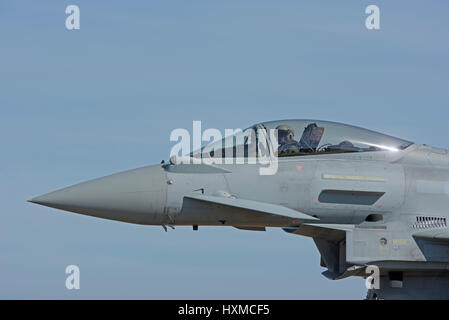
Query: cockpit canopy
[(301, 138), (306, 137)]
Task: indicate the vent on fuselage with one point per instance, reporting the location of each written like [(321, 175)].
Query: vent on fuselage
[(424, 222), (366, 198)]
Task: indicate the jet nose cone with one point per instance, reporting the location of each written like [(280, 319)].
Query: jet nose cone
[(136, 196)]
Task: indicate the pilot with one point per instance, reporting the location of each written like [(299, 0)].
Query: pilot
[(287, 145)]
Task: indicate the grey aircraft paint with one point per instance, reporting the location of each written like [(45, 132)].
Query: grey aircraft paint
[(365, 198)]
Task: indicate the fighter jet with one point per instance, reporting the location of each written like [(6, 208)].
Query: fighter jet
[(376, 206)]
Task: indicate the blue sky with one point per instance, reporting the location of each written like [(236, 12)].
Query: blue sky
[(76, 105)]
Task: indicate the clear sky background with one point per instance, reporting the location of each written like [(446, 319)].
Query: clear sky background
[(76, 105)]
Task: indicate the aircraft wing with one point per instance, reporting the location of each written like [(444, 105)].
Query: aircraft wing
[(239, 212)]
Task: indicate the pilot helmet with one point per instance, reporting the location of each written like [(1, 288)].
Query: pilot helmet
[(285, 131)]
